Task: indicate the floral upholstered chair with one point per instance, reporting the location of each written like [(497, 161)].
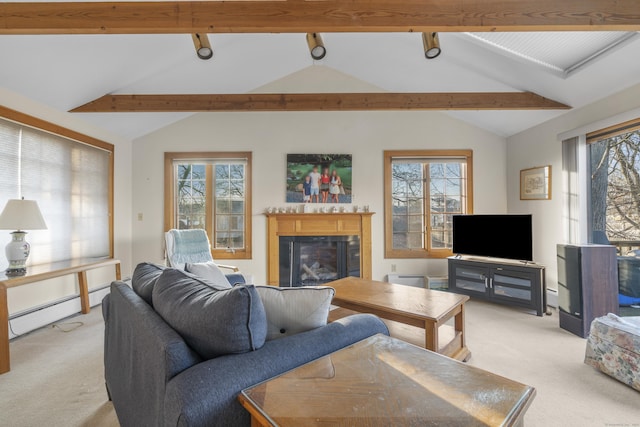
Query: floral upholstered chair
[(613, 347)]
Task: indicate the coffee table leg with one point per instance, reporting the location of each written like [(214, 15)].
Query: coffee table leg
[(459, 325), (459, 321), (431, 331)]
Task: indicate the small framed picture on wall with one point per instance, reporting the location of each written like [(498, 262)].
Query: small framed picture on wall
[(535, 183)]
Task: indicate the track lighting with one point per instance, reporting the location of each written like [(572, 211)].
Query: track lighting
[(316, 47), (203, 47), (431, 45)]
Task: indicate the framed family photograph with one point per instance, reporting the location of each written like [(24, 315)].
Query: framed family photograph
[(319, 178), (535, 183)]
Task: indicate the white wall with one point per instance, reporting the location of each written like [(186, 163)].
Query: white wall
[(29, 296), (270, 136), (540, 146)]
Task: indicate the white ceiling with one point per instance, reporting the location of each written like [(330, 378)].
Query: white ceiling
[(65, 71)]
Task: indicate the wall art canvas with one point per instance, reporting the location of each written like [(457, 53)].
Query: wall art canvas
[(319, 178)]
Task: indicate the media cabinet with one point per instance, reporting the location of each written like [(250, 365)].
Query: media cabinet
[(499, 280)]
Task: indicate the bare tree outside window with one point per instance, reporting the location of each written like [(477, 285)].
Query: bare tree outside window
[(192, 196), (425, 194), (615, 191), (408, 205), (229, 200)]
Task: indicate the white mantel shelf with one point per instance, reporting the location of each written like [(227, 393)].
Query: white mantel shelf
[(317, 224)]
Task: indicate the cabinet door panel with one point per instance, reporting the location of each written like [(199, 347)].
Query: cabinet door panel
[(471, 280), (471, 285), (471, 273), (505, 279), (511, 293), (512, 285)]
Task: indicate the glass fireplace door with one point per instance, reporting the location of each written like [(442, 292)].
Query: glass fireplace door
[(313, 261)]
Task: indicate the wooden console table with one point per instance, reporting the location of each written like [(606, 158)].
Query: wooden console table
[(41, 272)]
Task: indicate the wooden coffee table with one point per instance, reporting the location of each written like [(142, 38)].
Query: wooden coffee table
[(415, 315), (382, 381)]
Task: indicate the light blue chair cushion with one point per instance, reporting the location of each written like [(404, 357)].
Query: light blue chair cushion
[(189, 246)]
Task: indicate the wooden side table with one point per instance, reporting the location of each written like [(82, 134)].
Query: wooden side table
[(41, 272)]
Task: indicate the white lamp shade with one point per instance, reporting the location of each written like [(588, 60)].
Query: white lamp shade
[(22, 215)]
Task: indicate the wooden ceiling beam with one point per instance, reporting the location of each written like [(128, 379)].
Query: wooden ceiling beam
[(321, 102), (299, 16)]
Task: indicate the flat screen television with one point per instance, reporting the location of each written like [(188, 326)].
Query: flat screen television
[(499, 236)]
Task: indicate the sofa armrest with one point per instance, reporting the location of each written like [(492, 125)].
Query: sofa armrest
[(206, 394), (141, 354)]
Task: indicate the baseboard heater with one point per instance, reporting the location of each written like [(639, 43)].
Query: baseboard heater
[(552, 298), (34, 318), (407, 279)]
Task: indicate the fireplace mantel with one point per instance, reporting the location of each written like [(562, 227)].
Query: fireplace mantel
[(317, 224)]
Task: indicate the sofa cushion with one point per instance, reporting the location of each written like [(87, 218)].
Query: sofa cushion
[(144, 279), (209, 271), (212, 321), (290, 311)]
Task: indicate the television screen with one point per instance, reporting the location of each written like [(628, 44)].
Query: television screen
[(500, 236)]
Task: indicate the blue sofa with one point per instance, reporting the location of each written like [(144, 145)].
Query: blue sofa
[(154, 378)]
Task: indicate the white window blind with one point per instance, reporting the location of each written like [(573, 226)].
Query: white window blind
[(70, 182)]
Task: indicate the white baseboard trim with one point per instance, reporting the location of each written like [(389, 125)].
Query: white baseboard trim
[(30, 320), (552, 298)]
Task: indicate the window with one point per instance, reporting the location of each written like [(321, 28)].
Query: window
[(211, 191), (423, 190), (70, 176), (614, 161)]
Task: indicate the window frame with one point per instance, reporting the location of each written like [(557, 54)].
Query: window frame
[(169, 195), (80, 138), (426, 252)]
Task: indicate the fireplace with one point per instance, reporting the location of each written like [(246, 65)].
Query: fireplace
[(315, 260), (317, 238)]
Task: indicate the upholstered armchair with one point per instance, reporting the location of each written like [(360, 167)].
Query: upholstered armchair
[(193, 246)]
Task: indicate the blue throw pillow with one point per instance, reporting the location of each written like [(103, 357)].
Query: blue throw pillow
[(626, 301), (211, 320), (144, 279)]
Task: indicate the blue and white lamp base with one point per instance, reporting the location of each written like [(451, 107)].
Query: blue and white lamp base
[(17, 251)]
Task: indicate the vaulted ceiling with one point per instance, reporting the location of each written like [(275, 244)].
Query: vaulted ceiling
[(65, 71)]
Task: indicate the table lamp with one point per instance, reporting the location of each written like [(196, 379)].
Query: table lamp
[(20, 215)]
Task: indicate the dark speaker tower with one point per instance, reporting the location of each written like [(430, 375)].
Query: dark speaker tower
[(587, 285)]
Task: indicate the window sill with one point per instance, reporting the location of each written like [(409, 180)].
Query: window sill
[(223, 254)]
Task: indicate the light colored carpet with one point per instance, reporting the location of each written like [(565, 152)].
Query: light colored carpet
[(57, 377)]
